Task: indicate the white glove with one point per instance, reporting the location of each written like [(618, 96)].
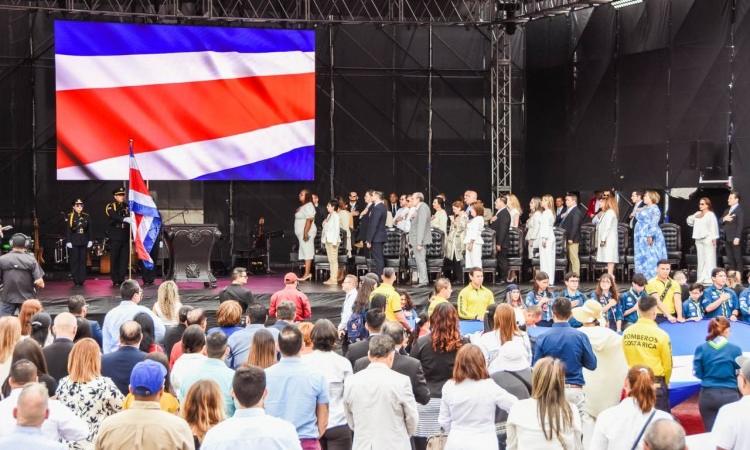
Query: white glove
[(69, 245), (89, 244), (128, 220)]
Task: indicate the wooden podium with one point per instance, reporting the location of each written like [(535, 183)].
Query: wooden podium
[(190, 248)]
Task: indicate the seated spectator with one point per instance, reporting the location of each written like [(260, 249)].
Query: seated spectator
[(555, 423), (236, 290), (56, 353), (470, 398), (168, 402), (336, 369), (251, 427), (691, 307), (402, 363), (61, 423), (86, 392), (666, 434), (30, 415), (131, 294), (40, 328), (173, 334), (212, 368), (28, 309), (296, 393), (203, 408), (147, 345), (197, 316), (262, 350), (30, 350), (624, 423), (10, 333), (78, 307), (168, 304), (144, 425), (239, 342), (291, 293), (193, 343), (286, 311), (388, 422), (118, 365), (374, 320), (228, 316)]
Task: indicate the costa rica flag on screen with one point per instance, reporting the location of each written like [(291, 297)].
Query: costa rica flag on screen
[(201, 103)]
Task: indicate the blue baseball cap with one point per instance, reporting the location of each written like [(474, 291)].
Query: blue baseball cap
[(147, 378), (512, 287)]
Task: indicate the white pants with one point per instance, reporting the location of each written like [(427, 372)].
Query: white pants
[(706, 260), (473, 258), (577, 397), (547, 260)]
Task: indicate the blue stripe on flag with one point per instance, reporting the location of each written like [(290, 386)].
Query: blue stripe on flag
[(139, 208), (104, 38), (151, 236), (297, 164)]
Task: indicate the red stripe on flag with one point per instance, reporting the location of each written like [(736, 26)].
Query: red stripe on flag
[(136, 182), (95, 124)]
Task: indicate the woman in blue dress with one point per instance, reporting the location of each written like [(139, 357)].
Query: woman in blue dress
[(649, 240)]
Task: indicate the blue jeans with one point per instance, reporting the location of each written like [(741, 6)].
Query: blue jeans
[(8, 309)]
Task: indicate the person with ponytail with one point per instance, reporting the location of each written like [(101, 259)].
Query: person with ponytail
[(623, 426), (714, 363), (546, 420)]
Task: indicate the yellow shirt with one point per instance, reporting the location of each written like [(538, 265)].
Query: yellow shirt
[(473, 303), (393, 300), (656, 287), (646, 344), (167, 402), (434, 301)]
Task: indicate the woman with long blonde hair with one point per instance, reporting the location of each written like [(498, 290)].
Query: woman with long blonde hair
[(532, 225), (86, 392), (168, 303), (10, 333), (547, 244), (546, 420), (607, 239), (515, 210), (505, 340), (203, 408)]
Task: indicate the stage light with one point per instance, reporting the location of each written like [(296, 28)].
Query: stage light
[(617, 4)]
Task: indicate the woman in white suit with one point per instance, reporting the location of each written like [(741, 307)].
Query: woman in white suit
[(705, 232), (606, 235), (473, 238), (532, 225), (546, 238)]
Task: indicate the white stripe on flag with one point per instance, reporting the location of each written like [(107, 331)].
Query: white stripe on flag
[(89, 72), (143, 199), (188, 161)]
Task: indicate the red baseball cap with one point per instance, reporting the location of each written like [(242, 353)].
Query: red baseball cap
[(290, 277)]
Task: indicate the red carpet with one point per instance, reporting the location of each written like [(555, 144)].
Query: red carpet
[(688, 415)]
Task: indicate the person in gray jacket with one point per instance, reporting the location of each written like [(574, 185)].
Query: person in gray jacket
[(420, 236)]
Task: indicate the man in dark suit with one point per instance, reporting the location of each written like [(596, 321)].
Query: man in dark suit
[(733, 222), (500, 222), (355, 207), (402, 363), (393, 203), (637, 198), (376, 236), (119, 364), (78, 307), (374, 320), (56, 353), (571, 220), (364, 218)]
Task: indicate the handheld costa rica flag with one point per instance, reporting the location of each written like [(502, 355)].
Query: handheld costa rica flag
[(145, 217)]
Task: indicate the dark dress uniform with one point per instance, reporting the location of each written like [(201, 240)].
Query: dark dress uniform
[(78, 235), (118, 232)]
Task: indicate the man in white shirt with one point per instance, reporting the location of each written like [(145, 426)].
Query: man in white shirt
[(61, 423), (131, 294), (349, 285), (193, 356), (379, 402), (30, 414), (402, 219), (251, 427), (730, 430)]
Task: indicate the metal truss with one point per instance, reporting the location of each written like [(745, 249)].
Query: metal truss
[(500, 111), (536, 9)]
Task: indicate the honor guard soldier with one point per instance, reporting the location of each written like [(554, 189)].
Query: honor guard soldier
[(78, 239), (118, 232)]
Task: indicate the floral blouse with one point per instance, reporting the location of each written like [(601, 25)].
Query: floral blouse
[(93, 402)]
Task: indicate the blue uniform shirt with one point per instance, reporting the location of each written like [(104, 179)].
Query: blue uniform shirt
[(614, 313), (692, 309), (711, 294), (627, 301), (569, 345), (744, 305), (576, 299), (547, 307)]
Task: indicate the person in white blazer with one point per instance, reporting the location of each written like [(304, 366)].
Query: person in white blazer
[(473, 238), (532, 225), (606, 235), (705, 233), (546, 238), (379, 403), (330, 237)]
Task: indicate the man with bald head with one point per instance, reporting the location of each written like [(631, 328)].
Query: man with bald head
[(30, 413), (664, 434), (118, 365), (56, 354)]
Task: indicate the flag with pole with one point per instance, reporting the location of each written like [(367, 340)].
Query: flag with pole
[(145, 217)]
